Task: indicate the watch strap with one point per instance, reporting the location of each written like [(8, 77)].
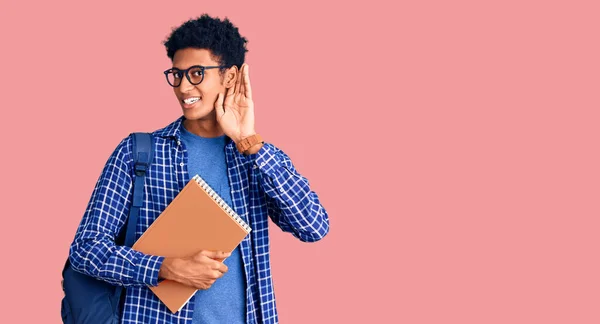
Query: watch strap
[(248, 142)]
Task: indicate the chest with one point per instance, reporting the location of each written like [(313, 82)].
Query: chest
[(172, 168)]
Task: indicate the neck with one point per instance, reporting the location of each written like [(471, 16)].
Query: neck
[(204, 127)]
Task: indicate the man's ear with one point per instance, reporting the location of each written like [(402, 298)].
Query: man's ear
[(231, 75)]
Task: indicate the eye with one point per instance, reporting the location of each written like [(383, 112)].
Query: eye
[(177, 74), (197, 73)]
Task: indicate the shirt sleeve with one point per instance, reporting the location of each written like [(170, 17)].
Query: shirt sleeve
[(93, 251), (292, 204)]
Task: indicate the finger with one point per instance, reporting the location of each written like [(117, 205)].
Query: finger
[(241, 89), (207, 253), (216, 274), (248, 90), (219, 105), (215, 254), (221, 267), (238, 81)]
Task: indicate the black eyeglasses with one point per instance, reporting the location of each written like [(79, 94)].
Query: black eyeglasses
[(194, 74)]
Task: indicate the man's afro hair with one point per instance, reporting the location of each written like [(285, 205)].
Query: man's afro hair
[(221, 37)]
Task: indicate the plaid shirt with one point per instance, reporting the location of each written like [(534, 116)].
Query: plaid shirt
[(263, 185)]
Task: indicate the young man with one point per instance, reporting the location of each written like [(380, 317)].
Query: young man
[(212, 85)]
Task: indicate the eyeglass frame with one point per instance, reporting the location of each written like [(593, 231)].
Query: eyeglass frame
[(187, 75)]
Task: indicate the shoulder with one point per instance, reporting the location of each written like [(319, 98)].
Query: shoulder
[(122, 154), (169, 131)]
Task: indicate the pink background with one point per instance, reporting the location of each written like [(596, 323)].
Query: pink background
[(453, 143)]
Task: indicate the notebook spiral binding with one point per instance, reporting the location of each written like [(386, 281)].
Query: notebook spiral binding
[(213, 194)]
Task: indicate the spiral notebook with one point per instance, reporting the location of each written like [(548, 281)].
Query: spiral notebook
[(197, 219)]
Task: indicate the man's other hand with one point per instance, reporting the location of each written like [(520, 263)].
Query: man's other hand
[(200, 270)]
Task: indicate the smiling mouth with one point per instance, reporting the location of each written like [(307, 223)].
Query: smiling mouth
[(191, 101)]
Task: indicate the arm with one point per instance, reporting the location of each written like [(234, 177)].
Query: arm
[(292, 205), (93, 251)]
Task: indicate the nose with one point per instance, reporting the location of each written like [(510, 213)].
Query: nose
[(185, 85)]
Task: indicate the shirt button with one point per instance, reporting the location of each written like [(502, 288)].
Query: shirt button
[(281, 190), (262, 164), (178, 142), (181, 164)]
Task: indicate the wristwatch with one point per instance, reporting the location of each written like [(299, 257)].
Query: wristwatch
[(248, 142)]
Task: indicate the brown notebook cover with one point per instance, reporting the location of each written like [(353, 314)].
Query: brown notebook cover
[(197, 219)]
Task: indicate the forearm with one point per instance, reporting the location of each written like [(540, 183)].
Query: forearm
[(292, 203), (298, 209), (119, 265)]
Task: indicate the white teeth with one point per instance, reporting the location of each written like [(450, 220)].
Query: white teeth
[(190, 101)]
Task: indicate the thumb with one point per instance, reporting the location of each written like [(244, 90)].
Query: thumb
[(219, 105)]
